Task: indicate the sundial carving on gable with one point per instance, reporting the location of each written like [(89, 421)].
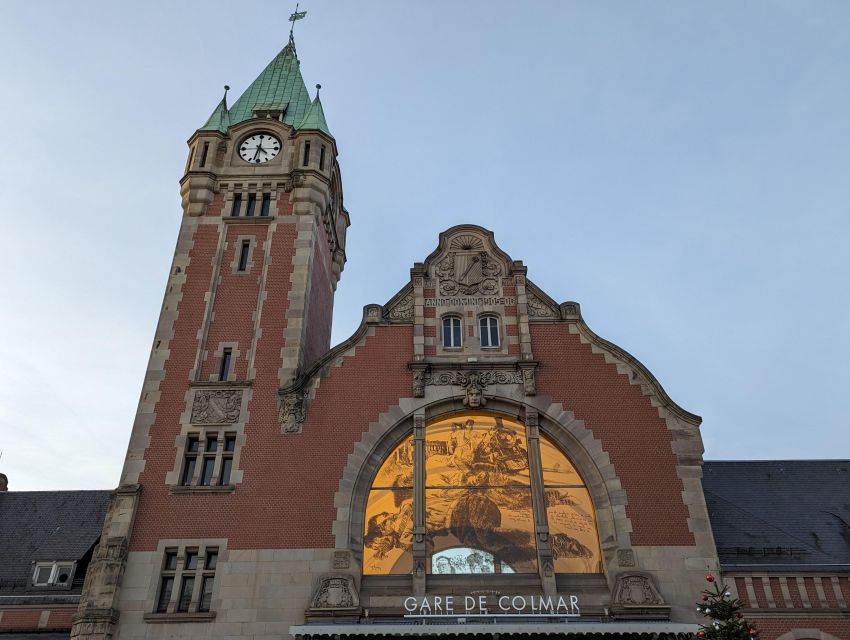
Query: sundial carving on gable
[(468, 268)]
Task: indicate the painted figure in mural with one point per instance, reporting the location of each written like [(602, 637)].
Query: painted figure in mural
[(387, 531), (442, 564)]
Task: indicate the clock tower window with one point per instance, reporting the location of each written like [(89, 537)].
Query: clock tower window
[(237, 204), (252, 204), (266, 205)]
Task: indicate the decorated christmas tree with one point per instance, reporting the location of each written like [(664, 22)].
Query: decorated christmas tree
[(726, 621)]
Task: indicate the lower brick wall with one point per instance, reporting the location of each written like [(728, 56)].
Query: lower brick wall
[(803, 628), (36, 619)]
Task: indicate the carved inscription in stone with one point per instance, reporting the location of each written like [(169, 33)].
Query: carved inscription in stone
[(636, 589), (292, 412), (335, 591), (342, 560), (216, 406)]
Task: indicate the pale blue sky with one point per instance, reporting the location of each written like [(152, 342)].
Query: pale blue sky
[(679, 168)]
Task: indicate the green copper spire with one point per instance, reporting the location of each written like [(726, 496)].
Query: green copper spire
[(315, 118), (220, 118), (279, 87)]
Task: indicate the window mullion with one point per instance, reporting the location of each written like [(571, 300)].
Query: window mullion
[(419, 547), (545, 561)]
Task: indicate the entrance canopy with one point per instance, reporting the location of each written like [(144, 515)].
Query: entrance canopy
[(583, 630)]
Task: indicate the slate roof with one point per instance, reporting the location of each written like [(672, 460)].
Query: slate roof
[(46, 525), (780, 515)]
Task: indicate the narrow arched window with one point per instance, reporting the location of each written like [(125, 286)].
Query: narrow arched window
[(452, 334), (488, 331)]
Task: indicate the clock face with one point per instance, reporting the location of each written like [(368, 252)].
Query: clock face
[(259, 148)]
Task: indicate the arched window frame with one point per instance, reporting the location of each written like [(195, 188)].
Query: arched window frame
[(454, 324), (489, 331), (538, 487)]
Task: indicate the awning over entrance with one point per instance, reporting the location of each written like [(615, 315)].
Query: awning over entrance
[(584, 630)]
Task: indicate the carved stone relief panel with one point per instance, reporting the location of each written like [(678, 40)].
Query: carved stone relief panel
[(216, 406), (335, 591), (292, 412), (636, 590), (402, 310), (540, 310)]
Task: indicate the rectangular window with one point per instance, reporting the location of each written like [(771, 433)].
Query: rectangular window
[(488, 330), (252, 204), (207, 472), (42, 574), (206, 593), (322, 158), (267, 203), (237, 204), (186, 589), (306, 154), (208, 460), (204, 152), (165, 588), (198, 566), (452, 332), (166, 583), (243, 255), (224, 371)]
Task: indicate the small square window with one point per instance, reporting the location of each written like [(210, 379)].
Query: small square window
[(42, 574)]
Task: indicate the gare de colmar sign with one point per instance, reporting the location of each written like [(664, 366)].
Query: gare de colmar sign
[(448, 606)]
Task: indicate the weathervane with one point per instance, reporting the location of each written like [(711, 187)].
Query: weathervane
[(297, 15)]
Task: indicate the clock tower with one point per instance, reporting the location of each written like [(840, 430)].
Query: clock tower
[(247, 308)]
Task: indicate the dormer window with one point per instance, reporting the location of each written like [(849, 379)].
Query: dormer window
[(488, 331), (53, 574), (452, 334)]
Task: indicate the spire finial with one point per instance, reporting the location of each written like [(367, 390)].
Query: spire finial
[(318, 88), (224, 99), (297, 15)]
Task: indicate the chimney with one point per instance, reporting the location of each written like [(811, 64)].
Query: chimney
[(4, 482)]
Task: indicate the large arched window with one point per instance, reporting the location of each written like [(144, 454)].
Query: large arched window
[(481, 488)]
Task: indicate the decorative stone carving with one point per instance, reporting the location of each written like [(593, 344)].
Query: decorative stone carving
[(474, 392), (529, 385), (570, 311), (548, 569), (336, 591), (401, 310), (216, 406), (342, 560), (539, 309), (636, 590), (485, 378), (292, 412), (626, 557), (467, 273), (112, 550), (296, 179), (420, 374)]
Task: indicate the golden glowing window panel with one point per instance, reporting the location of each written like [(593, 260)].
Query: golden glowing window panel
[(476, 451), (397, 469), (557, 469), (388, 535), (388, 527), (476, 530), (479, 516), (572, 531)]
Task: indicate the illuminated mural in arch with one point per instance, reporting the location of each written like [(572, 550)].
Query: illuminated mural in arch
[(479, 497)]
